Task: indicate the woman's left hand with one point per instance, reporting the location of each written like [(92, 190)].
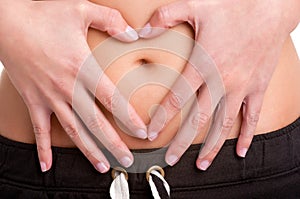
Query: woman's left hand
[(242, 41)]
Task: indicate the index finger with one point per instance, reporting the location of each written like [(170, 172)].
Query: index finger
[(109, 95), (199, 69), (180, 93)]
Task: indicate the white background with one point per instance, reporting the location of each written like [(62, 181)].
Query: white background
[(295, 36)]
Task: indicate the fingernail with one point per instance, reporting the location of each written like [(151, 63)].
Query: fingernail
[(141, 134), (204, 165), (152, 136), (172, 159), (131, 33), (43, 166), (102, 167), (145, 31), (243, 152), (126, 161)]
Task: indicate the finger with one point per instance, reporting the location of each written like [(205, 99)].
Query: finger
[(109, 95), (80, 136), (174, 101), (200, 68), (111, 21), (98, 125), (196, 122), (120, 107), (165, 17), (251, 111), (40, 118), (222, 124)]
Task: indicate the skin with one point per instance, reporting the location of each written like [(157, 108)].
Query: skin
[(16, 123), (243, 41), (45, 73)]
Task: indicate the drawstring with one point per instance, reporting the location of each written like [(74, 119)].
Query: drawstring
[(155, 175), (159, 187), (119, 187)]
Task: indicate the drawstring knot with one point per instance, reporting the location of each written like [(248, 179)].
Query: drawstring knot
[(155, 176)]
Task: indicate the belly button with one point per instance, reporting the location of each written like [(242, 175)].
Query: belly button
[(143, 62)]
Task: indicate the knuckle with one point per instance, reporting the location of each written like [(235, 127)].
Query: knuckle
[(175, 101), (71, 131), (106, 102), (36, 100), (227, 123), (112, 16), (194, 7), (162, 14), (95, 124), (39, 131), (73, 60), (228, 80), (72, 63), (195, 79), (75, 63), (252, 119), (109, 99), (115, 102), (61, 85), (199, 120)]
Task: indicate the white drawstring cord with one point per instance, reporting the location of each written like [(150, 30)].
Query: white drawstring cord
[(119, 187), (153, 187), (159, 187)]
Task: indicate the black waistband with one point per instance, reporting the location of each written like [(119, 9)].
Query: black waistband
[(270, 154)]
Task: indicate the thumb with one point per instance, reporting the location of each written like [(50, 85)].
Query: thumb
[(166, 17), (111, 21)]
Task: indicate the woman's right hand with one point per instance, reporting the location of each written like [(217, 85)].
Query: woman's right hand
[(42, 46)]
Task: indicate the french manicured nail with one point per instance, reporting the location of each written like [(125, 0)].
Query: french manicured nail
[(43, 166), (172, 159), (131, 33), (126, 161), (152, 136), (141, 133), (243, 152), (102, 167), (145, 31), (204, 165)]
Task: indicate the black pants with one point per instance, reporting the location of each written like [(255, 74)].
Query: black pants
[(271, 169)]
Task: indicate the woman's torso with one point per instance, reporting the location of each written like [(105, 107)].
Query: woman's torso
[(281, 103)]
